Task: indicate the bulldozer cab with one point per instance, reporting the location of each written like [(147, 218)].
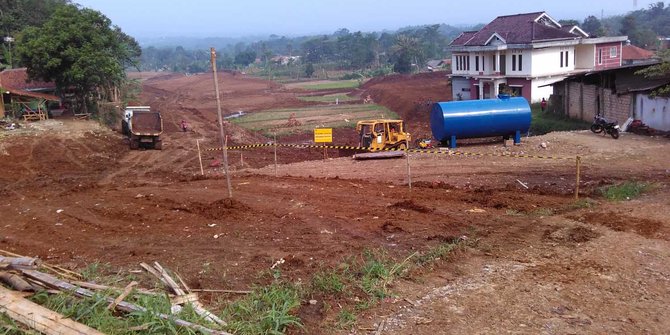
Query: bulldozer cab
[(382, 134)]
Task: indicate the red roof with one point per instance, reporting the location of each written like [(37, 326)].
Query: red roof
[(516, 29), (631, 52), (18, 79)]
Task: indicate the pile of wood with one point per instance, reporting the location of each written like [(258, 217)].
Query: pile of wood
[(25, 276)]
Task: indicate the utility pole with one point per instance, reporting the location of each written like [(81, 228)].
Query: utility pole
[(223, 135), (9, 41)]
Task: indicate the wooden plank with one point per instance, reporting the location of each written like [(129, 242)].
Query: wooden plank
[(220, 291), (54, 282), (122, 296), (15, 282), (380, 155), (39, 318)]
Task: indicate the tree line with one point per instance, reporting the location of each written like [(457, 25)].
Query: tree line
[(402, 50)]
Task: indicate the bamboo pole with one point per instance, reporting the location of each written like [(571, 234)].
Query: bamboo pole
[(578, 161), (223, 135), (202, 171)]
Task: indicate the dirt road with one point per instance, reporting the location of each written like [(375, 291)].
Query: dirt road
[(73, 194)]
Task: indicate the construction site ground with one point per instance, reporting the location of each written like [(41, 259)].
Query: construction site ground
[(536, 262)]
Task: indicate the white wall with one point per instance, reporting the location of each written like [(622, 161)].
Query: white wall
[(655, 113), (461, 86), (537, 92), (526, 60), (585, 56), (547, 61)]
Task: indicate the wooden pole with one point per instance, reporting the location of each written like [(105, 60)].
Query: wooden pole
[(202, 171), (409, 171), (275, 142), (578, 163), (223, 135)]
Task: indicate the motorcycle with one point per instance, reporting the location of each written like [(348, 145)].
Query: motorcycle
[(601, 124)]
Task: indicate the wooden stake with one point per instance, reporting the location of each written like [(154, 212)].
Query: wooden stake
[(409, 171), (223, 135), (123, 295), (578, 163), (275, 142), (202, 171)]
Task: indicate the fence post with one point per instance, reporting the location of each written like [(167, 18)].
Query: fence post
[(578, 165)]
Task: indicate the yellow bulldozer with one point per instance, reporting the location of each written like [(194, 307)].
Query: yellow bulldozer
[(383, 134)]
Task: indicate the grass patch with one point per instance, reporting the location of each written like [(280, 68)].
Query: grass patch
[(329, 282), (333, 116), (330, 98), (542, 212), (440, 252), (625, 191), (345, 319), (582, 204), (9, 327), (331, 85), (546, 122), (267, 310)]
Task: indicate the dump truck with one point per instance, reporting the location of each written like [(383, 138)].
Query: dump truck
[(143, 127), (383, 134)]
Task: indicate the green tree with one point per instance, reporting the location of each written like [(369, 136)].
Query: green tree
[(592, 26), (660, 70), (80, 51), (309, 70), (245, 58)]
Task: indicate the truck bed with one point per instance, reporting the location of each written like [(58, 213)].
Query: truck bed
[(146, 123)]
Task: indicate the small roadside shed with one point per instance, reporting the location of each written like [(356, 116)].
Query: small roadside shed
[(24, 98), (617, 94)]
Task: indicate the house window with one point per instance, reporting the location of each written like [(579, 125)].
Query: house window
[(468, 65), (613, 52), (477, 63), (493, 61), (561, 58), (513, 62), (483, 62), (600, 56), (520, 63), (566, 58)]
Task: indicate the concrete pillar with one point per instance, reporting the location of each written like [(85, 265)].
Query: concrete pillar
[(481, 89), (497, 62)]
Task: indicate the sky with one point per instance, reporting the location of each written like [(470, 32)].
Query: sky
[(240, 18)]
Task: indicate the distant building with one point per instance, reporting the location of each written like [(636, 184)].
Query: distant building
[(521, 54), (633, 55)]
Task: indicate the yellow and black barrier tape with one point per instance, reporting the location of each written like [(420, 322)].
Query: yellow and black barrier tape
[(421, 151)]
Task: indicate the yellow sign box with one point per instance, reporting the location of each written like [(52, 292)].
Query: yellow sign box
[(323, 135)]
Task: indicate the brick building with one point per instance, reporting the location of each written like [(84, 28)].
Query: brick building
[(616, 94)]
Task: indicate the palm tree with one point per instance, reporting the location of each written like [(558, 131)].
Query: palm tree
[(406, 49)]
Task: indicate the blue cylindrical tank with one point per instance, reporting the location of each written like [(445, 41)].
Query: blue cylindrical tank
[(505, 116)]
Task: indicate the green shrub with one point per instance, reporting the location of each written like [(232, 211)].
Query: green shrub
[(625, 191)]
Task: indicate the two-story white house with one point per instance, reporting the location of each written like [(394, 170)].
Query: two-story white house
[(522, 54)]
